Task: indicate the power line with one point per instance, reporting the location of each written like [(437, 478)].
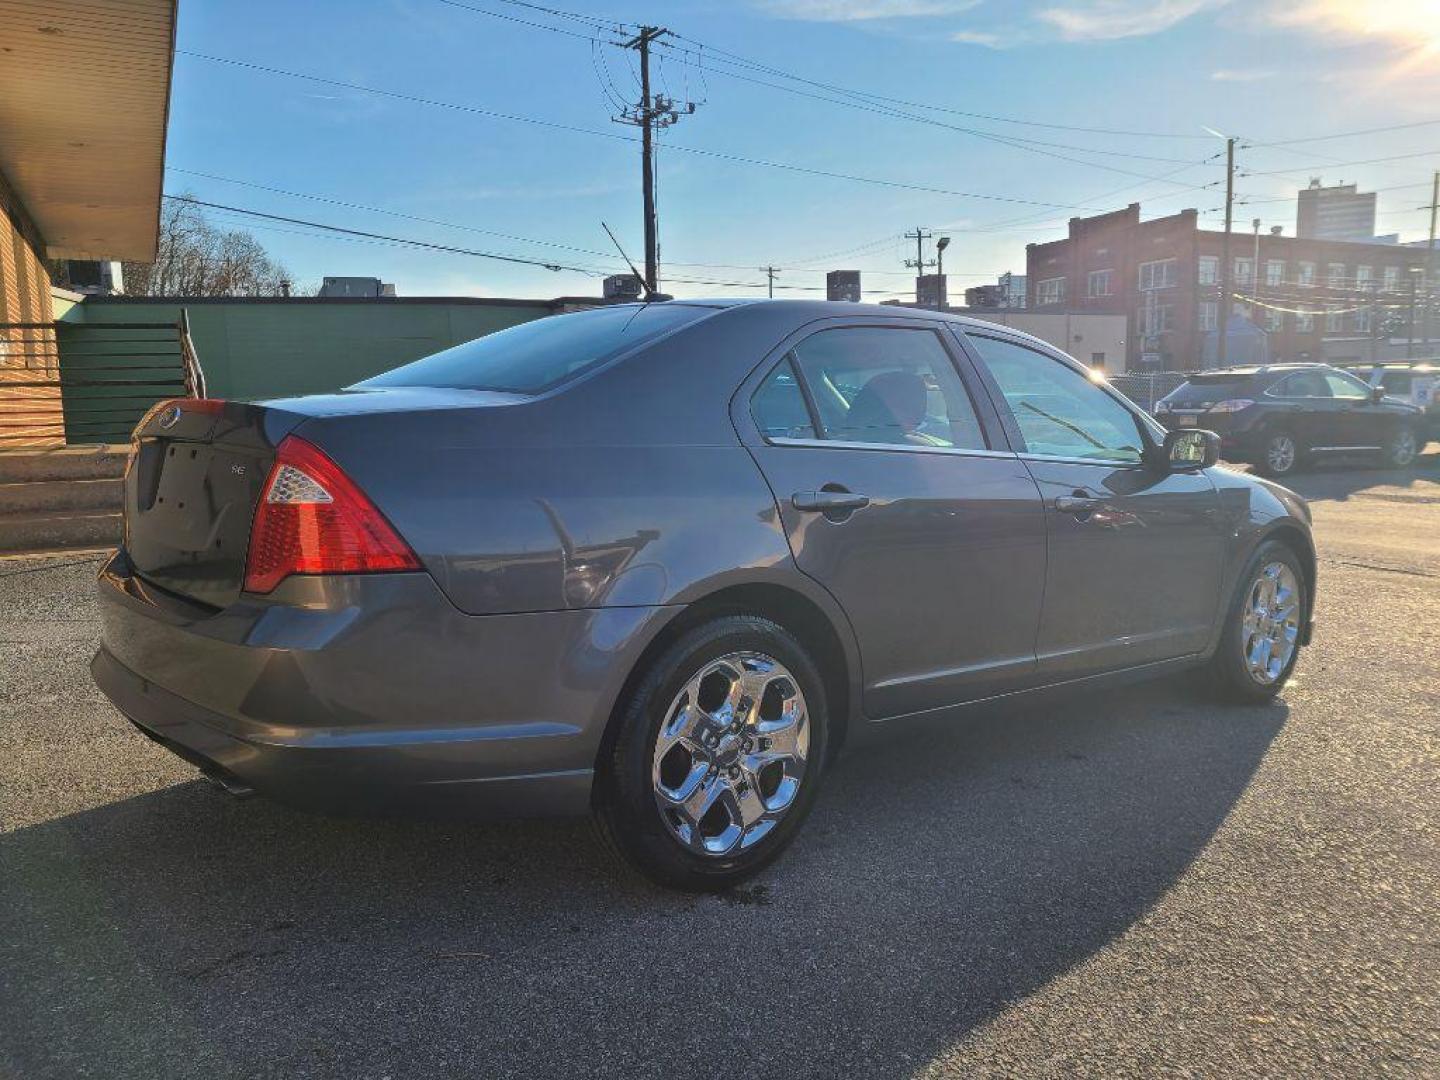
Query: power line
[(1350, 134), (553, 266), (1334, 164), (575, 129)]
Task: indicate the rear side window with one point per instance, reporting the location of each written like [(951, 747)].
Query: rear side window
[(539, 355), (779, 406), (1306, 384), (888, 386), (1060, 412)]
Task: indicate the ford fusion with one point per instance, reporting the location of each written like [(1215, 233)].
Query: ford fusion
[(660, 562)]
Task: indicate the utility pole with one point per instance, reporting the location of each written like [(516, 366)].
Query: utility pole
[(1222, 350), (652, 114), (770, 273), (919, 236), (1431, 293)]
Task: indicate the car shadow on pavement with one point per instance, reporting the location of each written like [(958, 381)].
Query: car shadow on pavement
[(1336, 481), (945, 873)]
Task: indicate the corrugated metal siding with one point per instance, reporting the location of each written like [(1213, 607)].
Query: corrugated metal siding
[(257, 349)]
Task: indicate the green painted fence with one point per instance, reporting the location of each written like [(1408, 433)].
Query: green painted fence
[(257, 348)]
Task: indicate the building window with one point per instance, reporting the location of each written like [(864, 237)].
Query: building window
[(1304, 323), (1209, 273), (1391, 280), (1244, 271), (1334, 321), (1274, 272), (1305, 273), (1101, 283), (1160, 274), (1156, 319), (1050, 291), (1097, 361), (1336, 275), (1208, 317), (1274, 320), (1362, 277), (1362, 321)]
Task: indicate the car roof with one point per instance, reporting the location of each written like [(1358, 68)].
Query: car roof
[(818, 309)]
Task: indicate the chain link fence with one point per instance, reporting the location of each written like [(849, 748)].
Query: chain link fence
[(1147, 387)]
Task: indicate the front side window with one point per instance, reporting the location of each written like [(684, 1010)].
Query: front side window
[(543, 353), (1060, 411), (887, 386), (1346, 387)]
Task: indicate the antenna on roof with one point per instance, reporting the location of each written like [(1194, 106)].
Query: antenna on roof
[(649, 293)]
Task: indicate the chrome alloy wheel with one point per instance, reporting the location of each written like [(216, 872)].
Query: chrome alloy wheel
[(1280, 453), (1270, 625), (730, 755), (1403, 449)]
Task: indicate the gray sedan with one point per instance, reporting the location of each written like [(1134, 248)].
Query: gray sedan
[(660, 562)]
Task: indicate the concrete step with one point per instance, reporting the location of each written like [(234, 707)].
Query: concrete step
[(34, 496), (59, 530), (99, 462)]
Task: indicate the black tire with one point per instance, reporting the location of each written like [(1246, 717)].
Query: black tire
[(1227, 676), (1272, 459), (626, 809), (1403, 446)]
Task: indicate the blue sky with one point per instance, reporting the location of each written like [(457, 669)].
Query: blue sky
[(1163, 70)]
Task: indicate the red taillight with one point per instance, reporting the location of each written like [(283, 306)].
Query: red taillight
[(312, 519)]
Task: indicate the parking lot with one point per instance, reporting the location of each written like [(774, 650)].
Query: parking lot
[(1129, 883)]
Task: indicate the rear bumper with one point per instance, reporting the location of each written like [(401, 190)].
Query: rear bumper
[(371, 693)]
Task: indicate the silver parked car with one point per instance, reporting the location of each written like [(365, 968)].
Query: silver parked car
[(660, 561)]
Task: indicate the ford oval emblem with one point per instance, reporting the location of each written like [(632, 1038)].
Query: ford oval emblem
[(170, 417)]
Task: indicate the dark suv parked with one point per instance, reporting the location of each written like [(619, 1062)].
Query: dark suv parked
[(1278, 417)]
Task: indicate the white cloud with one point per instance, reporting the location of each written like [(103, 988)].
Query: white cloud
[(976, 37), (863, 10), (1103, 20), (1233, 75)]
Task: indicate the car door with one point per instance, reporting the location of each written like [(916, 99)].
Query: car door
[(1134, 551), (899, 495), (1360, 423), (1308, 411)]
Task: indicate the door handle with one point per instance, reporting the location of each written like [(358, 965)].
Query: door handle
[(829, 502), (1076, 504)]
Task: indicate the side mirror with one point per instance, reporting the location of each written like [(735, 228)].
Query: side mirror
[(1377, 395), (1187, 451)]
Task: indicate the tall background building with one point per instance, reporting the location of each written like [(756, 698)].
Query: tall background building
[(1339, 212)]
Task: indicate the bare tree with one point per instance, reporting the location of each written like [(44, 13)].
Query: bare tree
[(194, 258)]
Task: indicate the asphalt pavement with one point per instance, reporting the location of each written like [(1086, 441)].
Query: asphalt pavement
[(1128, 883)]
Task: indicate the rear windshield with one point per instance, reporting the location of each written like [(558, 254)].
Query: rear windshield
[(541, 354), (1206, 388)]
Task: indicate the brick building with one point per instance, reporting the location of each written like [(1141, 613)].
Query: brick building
[(1316, 299)]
